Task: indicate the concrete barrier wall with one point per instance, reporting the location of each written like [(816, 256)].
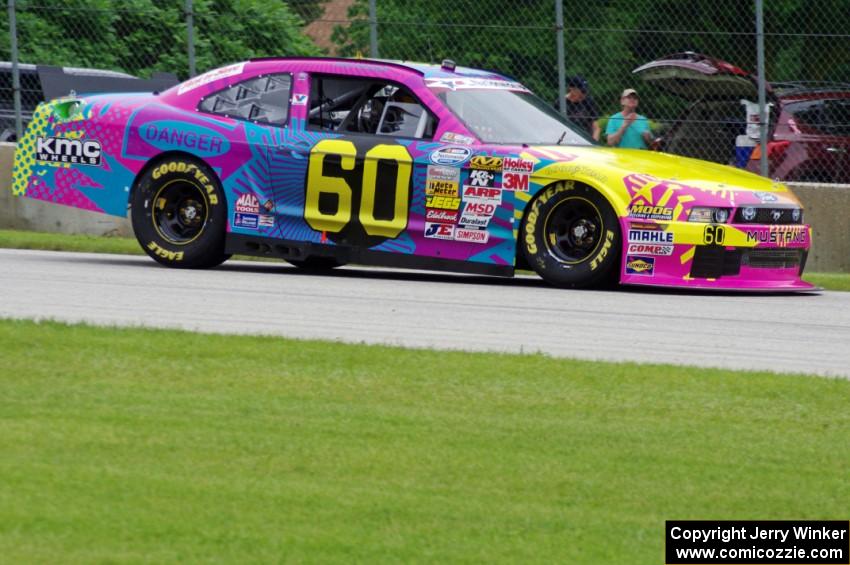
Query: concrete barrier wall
[(37, 215), (827, 210)]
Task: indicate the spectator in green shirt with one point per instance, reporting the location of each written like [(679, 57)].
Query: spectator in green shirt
[(627, 128)]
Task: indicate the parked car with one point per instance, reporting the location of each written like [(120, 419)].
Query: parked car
[(44, 82), (322, 162), (809, 126)]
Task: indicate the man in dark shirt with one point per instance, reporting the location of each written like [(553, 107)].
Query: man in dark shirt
[(580, 106)]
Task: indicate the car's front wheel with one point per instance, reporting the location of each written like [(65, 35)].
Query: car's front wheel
[(571, 236), (179, 214)]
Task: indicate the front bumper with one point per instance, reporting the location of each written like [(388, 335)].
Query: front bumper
[(750, 257)]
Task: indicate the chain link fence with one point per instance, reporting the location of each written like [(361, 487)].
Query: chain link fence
[(694, 65)]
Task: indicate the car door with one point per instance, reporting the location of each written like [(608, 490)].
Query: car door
[(363, 177)]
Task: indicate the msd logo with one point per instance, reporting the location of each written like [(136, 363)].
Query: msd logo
[(248, 204)]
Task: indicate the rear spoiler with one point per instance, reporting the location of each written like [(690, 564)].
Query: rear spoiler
[(57, 82)]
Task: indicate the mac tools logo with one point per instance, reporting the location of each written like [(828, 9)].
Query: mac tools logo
[(62, 150)]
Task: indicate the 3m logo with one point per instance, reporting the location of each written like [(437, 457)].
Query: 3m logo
[(515, 181), (62, 150)]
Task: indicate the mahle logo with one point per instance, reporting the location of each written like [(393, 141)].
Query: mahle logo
[(63, 150)]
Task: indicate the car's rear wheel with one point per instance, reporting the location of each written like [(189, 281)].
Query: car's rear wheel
[(571, 237), (179, 214)]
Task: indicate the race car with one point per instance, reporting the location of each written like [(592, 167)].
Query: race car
[(326, 161)]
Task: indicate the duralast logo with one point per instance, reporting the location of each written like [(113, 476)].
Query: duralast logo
[(63, 150)]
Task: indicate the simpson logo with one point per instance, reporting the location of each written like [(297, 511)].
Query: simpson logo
[(646, 212), (450, 155), (515, 181), (636, 265), (441, 216), (441, 188), (472, 236), (651, 236), (486, 163), (439, 231), (444, 202), (436, 172), (517, 165), (63, 150), (247, 204), (481, 178), (246, 221), (650, 249)]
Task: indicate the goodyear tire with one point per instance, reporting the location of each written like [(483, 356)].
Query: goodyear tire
[(571, 237), (179, 214)]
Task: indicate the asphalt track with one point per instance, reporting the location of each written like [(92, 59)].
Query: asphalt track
[(802, 333)]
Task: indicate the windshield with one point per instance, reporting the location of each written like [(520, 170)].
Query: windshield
[(511, 116)]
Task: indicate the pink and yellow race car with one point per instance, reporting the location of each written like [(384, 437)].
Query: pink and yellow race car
[(323, 162)]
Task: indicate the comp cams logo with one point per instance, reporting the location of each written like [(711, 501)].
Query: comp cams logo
[(63, 150)]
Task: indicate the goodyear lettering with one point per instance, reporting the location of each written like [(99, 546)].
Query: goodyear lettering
[(183, 167), (165, 253), (531, 227), (606, 246)]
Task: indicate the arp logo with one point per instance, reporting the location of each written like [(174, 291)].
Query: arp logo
[(439, 231), (481, 192)]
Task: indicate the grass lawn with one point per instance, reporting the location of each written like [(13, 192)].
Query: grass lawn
[(127, 445), (128, 246)]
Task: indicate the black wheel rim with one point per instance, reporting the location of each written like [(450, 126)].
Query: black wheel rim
[(180, 212), (573, 230)]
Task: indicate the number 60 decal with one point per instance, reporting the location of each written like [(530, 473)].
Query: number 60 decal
[(318, 183)]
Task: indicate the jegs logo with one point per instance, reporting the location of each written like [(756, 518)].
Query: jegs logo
[(63, 150)]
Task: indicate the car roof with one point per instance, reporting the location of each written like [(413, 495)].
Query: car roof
[(426, 70)]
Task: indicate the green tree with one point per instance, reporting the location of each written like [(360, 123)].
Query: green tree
[(142, 36)]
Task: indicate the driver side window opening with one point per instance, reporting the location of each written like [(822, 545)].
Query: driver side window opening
[(366, 105)]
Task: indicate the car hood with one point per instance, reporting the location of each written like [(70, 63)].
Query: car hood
[(696, 76), (714, 182)]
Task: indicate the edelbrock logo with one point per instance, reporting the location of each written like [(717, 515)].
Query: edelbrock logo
[(63, 150)]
